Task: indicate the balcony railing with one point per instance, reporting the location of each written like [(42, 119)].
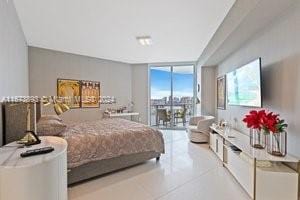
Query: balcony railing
[(163, 117)]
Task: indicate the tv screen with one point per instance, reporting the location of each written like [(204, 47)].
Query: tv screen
[(244, 85)]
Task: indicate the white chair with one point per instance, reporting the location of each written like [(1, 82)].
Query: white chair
[(198, 128)]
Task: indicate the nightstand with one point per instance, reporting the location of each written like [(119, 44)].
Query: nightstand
[(40, 177)]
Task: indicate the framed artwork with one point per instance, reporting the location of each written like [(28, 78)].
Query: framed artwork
[(221, 92), (90, 94), (69, 90)]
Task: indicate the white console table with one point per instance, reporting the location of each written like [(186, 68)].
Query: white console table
[(120, 115), (40, 177), (276, 182)]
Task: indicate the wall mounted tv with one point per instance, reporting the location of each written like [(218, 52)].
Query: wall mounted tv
[(244, 85)]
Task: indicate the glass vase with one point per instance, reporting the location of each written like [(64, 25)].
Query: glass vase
[(276, 143), (257, 139)]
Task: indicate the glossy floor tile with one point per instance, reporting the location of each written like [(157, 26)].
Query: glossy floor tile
[(186, 171)]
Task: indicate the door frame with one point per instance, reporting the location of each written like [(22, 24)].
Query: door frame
[(176, 64)]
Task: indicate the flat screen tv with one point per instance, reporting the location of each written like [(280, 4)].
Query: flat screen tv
[(244, 85)]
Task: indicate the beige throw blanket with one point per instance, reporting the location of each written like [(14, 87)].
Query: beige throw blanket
[(109, 138)]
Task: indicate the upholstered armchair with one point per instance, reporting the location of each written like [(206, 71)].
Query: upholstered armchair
[(198, 128)]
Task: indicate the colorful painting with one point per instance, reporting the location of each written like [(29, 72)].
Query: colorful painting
[(69, 91), (90, 94), (221, 92)]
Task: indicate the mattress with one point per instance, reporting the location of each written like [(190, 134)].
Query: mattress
[(109, 138)]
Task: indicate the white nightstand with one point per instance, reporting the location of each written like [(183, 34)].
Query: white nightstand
[(41, 177)]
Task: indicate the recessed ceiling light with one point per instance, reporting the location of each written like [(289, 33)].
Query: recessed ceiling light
[(144, 40)]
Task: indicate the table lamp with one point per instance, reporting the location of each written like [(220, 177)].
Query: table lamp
[(30, 137), (59, 107)]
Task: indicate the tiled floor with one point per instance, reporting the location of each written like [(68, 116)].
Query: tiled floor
[(187, 171)]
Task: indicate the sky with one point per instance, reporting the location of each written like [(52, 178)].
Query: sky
[(161, 82)]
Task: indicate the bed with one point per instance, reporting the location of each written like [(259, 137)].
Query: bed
[(97, 147)]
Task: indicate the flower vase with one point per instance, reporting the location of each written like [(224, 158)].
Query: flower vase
[(277, 143), (257, 139)]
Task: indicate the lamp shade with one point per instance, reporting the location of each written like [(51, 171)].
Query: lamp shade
[(64, 107), (58, 110), (46, 101)]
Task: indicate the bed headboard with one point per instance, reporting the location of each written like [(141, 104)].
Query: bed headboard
[(14, 120)]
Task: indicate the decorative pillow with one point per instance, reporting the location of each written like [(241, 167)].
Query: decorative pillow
[(51, 117), (50, 127)]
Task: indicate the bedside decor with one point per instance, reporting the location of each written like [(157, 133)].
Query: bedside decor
[(30, 137), (254, 122), (221, 92), (29, 105)]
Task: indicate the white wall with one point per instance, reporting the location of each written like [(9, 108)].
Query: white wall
[(46, 66), (13, 55), (140, 90), (208, 91), (279, 46), (198, 90)]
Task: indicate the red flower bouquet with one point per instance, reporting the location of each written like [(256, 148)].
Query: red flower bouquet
[(261, 120), (255, 119), (272, 123), (273, 129)]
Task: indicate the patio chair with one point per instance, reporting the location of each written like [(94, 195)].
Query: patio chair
[(181, 114), (163, 115)]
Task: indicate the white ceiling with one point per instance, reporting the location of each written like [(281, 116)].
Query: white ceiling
[(180, 29), (258, 15)]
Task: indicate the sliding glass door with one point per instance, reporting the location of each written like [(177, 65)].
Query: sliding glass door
[(171, 96)]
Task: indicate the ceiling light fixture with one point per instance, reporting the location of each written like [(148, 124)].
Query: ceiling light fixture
[(144, 40)]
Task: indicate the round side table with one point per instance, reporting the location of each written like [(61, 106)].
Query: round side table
[(40, 177)]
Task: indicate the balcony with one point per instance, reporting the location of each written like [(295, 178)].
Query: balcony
[(162, 116)]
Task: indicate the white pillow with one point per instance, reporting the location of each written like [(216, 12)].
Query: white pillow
[(50, 128), (51, 117)]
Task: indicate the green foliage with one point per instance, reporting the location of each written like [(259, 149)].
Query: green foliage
[(281, 126)]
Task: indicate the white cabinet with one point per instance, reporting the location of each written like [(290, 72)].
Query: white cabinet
[(275, 182), (241, 170), (40, 177), (212, 141), (216, 144), (219, 146)]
